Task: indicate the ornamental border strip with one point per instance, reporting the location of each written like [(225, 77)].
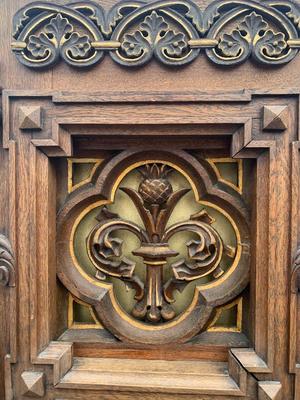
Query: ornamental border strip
[(173, 32)]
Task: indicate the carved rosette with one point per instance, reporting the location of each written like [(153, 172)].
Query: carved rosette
[(172, 32), (155, 200)]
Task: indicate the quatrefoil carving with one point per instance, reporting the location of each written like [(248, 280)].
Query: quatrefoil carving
[(153, 318)]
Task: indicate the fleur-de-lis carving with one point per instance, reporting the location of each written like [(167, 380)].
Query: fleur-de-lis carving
[(155, 200)]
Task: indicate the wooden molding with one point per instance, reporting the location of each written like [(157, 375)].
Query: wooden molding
[(63, 121), (269, 390), (250, 361), (185, 377), (58, 354)]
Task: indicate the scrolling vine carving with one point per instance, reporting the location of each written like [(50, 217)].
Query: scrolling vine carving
[(174, 32)]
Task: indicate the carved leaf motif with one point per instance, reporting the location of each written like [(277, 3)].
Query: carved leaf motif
[(110, 247), (232, 44), (204, 20), (150, 32), (58, 36), (59, 27), (78, 46), (197, 250), (135, 44), (294, 14), (173, 43), (252, 25), (39, 46), (105, 213), (248, 32), (154, 25), (252, 36), (273, 43), (154, 34), (117, 13)]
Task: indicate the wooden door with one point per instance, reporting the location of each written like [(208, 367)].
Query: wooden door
[(149, 175)]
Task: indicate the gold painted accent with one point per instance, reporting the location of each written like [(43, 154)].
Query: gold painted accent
[(203, 43), (238, 328), (72, 161), (230, 251), (154, 263), (18, 46), (239, 186), (76, 325), (106, 45), (294, 43), (109, 287)]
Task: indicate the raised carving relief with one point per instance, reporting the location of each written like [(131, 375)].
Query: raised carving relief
[(104, 247), (7, 270), (155, 201), (275, 118), (30, 118), (33, 384), (172, 32)]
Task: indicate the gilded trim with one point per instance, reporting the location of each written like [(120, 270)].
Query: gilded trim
[(239, 186), (71, 162), (238, 326), (75, 325)]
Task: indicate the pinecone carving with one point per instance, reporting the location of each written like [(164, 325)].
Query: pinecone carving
[(155, 188)]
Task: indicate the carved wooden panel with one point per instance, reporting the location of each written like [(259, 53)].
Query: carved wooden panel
[(220, 272), (155, 201), (131, 264)]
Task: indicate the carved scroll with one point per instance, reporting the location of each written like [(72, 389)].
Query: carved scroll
[(173, 32), (7, 270)]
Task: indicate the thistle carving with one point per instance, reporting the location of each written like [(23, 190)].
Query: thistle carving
[(174, 32), (155, 201)]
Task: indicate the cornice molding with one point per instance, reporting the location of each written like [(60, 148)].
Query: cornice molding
[(174, 32)]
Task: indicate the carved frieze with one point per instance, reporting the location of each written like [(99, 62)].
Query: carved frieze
[(173, 32)]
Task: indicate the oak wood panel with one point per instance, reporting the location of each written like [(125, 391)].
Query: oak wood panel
[(113, 84), (265, 144)]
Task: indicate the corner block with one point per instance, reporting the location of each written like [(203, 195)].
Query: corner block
[(33, 384), (269, 390), (275, 118), (30, 117)]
